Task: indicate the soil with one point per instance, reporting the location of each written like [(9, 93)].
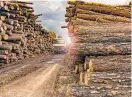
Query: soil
[(38, 81)]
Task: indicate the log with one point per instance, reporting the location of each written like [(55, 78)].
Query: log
[(1, 4), (19, 21), (16, 24), (64, 26), (103, 84), (5, 37), (102, 18), (38, 15), (11, 4), (21, 2), (5, 47), (3, 57), (81, 11), (25, 6), (103, 28), (8, 15), (0, 39), (5, 8), (112, 10), (9, 21), (10, 11), (1, 22), (86, 14), (2, 62), (9, 27), (13, 57), (9, 32), (38, 21), (4, 27), (18, 32), (11, 7), (4, 52), (2, 18), (70, 14), (116, 63), (2, 30), (101, 37), (30, 10), (14, 38), (100, 49)]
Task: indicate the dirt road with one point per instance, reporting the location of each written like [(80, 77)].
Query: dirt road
[(36, 84)]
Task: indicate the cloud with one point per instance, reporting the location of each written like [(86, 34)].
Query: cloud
[(54, 13)]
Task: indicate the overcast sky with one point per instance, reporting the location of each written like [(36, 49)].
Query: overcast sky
[(54, 11)]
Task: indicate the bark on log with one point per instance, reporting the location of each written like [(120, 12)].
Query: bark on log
[(14, 38), (106, 10), (100, 49), (116, 63), (102, 37), (0, 39), (1, 22), (81, 11), (101, 18), (102, 8), (18, 32), (104, 83), (9, 32), (5, 47), (3, 57), (9, 27), (103, 28), (21, 2), (8, 15), (4, 52), (9, 21), (91, 15), (64, 26)]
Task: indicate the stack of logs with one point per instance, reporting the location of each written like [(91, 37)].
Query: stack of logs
[(21, 37), (101, 42)]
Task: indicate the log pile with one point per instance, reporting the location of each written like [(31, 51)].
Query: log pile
[(101, 40), (21, 37)]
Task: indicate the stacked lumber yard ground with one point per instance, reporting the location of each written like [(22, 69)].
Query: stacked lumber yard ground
[(101, 47), (21, 36)]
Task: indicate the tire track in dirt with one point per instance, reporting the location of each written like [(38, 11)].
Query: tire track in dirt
[(37, 84)]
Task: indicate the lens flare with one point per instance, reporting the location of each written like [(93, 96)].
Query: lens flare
[(68, 40)]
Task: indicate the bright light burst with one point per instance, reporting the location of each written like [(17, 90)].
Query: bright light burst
[(68, 40)]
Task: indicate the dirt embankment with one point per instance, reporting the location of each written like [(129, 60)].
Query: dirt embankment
[(66, 76)]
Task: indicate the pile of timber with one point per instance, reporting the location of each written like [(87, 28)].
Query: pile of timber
[(101, 42), (20, 35)]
